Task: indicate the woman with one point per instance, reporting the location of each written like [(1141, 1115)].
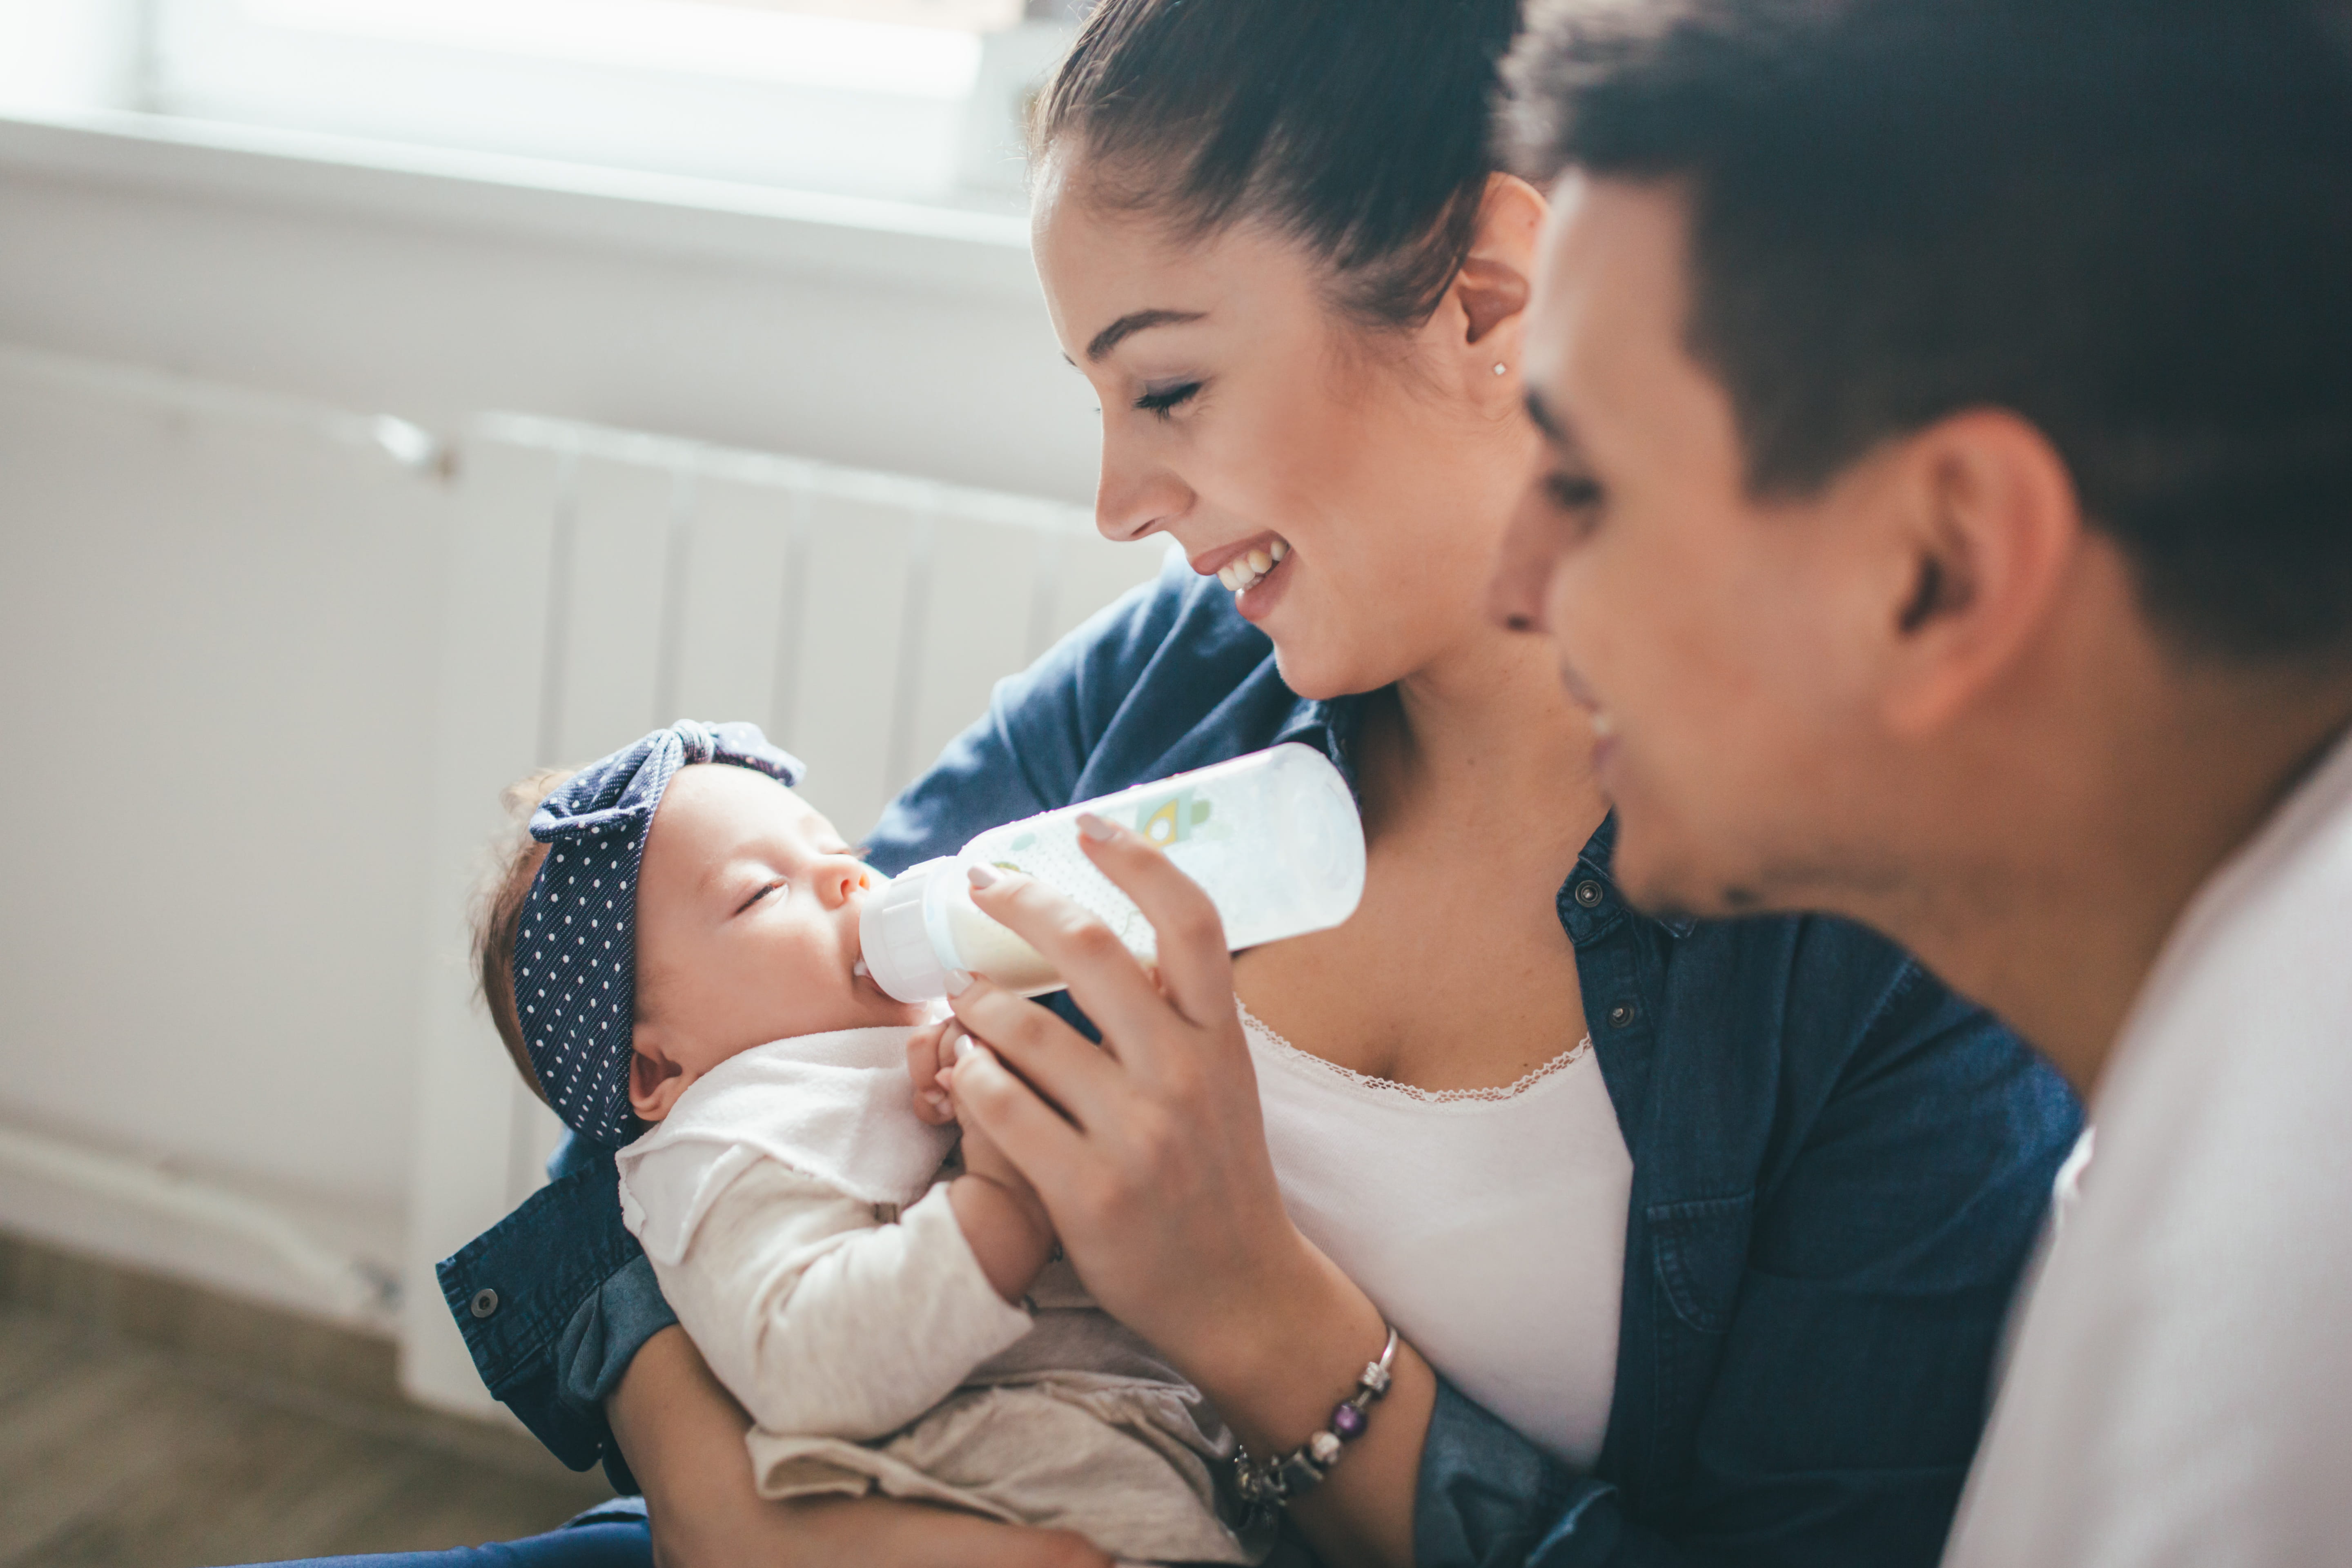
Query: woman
[(1721, 1284)]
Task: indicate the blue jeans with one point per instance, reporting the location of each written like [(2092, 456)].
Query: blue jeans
[(601, 1538)]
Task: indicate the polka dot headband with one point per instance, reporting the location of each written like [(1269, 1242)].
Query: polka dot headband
[(575, 956)]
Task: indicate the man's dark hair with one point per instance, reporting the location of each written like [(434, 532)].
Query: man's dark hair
[(2128, 221), (1357, 127)]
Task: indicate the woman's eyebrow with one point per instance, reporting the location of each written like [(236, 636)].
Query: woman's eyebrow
[(1135, 321)]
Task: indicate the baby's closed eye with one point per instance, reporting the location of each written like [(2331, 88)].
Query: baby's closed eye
[(759, 893)]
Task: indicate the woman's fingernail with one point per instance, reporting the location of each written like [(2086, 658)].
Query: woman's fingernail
[(982, 876), (963, 1047), (937, 1098), (959, 981), (1095, 828)]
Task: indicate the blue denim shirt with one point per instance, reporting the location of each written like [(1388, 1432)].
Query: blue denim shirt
[(1839, 1169)]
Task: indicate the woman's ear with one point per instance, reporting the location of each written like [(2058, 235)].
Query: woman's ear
[(1497, 275), (655, 1080)]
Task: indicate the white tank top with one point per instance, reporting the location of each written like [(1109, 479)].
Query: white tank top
[(1488, 1224)]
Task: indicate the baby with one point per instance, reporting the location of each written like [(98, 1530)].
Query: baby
[(677, 971)]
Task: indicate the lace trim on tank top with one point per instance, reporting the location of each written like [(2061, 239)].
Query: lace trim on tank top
[(1512, 1090)]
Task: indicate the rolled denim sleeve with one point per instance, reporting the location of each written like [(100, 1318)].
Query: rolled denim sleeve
[(554, 1302), (1487, 1494), (1490, 1498)]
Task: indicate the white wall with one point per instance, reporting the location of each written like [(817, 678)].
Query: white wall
[(219, 684), (642, 302), (214, 679)]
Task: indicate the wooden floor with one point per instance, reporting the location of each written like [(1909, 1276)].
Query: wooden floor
[(116, 1450)]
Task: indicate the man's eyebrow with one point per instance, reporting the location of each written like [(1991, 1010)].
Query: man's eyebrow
[(1548, 420), (1135, 321)]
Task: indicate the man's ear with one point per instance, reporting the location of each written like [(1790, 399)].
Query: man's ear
[(656, 1079), (1491, 290), (1989, 526)]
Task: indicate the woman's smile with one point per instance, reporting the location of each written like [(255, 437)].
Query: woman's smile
[(1257, 589), (1251, 569), (1252, 565)]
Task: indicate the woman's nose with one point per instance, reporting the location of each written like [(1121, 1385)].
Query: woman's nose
[(1135, 495)]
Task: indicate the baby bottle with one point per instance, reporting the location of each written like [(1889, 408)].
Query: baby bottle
[(1272, 839)]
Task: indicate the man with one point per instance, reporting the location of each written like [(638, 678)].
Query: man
[(1948, 521)]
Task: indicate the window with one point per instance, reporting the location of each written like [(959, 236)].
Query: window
[(913, 99)]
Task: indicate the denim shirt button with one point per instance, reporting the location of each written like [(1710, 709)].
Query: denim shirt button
[(1588, 893), (1621, 1014), (484, 1302)]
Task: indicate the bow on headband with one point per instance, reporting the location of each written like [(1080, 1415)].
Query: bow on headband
[(575, 953)]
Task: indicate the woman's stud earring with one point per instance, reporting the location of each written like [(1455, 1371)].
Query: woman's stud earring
[(1501, 369)]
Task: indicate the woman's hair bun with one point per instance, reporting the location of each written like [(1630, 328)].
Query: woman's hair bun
[(1358, 127)]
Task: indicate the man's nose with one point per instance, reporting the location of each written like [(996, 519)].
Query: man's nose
[(1515, 593)]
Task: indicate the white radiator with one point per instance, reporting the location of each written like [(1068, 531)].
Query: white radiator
[(607, 583), (596, 584)]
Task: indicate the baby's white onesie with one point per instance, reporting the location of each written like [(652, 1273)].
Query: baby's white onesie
[(795, 1213)]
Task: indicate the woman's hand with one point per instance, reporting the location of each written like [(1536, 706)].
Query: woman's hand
[(1150, 1153), (1149, 1150)]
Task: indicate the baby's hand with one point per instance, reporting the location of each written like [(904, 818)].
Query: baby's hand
[(1011, 1234), (929, 1054), (984, 1159)]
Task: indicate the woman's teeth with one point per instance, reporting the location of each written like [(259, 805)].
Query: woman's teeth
[(1243, 575)]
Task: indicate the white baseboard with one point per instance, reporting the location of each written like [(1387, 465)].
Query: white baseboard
[(338, 1263)]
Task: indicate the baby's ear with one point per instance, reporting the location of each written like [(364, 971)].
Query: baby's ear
[(655, 1081)]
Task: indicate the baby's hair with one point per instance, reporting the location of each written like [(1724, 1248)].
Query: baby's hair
[(497, 912)]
